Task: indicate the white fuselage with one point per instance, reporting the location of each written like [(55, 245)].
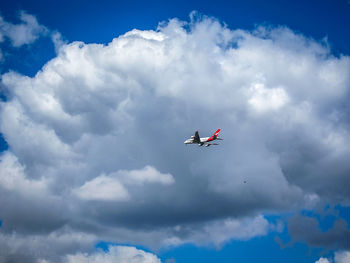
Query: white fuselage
[(190, 141)]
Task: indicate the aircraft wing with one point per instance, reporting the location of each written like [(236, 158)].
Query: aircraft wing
[(208, 144), (196, 138)]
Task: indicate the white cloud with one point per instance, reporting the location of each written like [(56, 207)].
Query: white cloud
[(102, 188), (123, 254), (95, 114), (339, 257), (342, 257), (12, 177), (146, 175), (323, 260), (114, 186), (264, 99), (58, 40), (237, 229), (43, 248), (24, 33), (222, 231)]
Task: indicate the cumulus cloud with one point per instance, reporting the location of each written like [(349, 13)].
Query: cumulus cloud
[(24, 33), (267, 99), (342, 257), (339, 257), (115, 254), (80, 131), (113, 186), (51, 247), (12, 177), (57, 40), (102, 188), (323, 260), (221, 231)]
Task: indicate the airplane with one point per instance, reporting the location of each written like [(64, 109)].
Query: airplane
[(203, 141)]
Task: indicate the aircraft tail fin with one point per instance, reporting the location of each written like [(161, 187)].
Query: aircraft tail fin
[(215, 136), (217, 132)]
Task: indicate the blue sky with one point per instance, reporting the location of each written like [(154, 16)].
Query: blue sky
[(94, 114)]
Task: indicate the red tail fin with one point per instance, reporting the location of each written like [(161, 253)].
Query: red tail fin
[(217, 132)]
